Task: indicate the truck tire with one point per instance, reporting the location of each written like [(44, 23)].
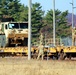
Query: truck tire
[(25, 42)]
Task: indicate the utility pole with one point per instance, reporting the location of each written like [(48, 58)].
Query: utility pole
[(54, 22), (72, 12), (72, 22), (29, 29)]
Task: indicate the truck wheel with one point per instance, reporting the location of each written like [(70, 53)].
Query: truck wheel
[(9, 42), (25, 42)]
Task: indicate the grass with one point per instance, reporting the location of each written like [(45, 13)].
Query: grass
[(21, 66)]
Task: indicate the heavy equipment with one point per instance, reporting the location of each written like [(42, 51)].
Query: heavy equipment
[(14, 41), (13, 33), (62, 51), (13, 38)]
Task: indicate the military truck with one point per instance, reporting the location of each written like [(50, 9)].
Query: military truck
[(13, 34)]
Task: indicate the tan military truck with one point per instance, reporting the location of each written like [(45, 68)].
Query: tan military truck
[(13, 33)]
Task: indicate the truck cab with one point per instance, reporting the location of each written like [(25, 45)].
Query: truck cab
[(16, 33)]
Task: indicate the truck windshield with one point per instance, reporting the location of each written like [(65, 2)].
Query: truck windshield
[(18, 25), (13, 26), (23, 25)]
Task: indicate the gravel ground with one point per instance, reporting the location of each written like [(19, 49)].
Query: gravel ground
[(22, 66)]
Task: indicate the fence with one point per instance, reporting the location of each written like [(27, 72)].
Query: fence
[(67, 41)]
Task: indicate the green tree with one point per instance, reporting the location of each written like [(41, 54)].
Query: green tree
[(37, 17), (23, 13), (62, 27), (10, 8)]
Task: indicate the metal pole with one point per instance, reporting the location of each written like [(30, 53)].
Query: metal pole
[(72, 20), (72, 13), (54, 22), (29, 29)]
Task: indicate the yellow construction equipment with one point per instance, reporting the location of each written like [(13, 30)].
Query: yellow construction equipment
[(17, 33)]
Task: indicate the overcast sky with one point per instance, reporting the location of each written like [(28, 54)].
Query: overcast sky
[(62, 5)]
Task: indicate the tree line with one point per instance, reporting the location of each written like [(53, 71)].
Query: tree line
[(41, 22)]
